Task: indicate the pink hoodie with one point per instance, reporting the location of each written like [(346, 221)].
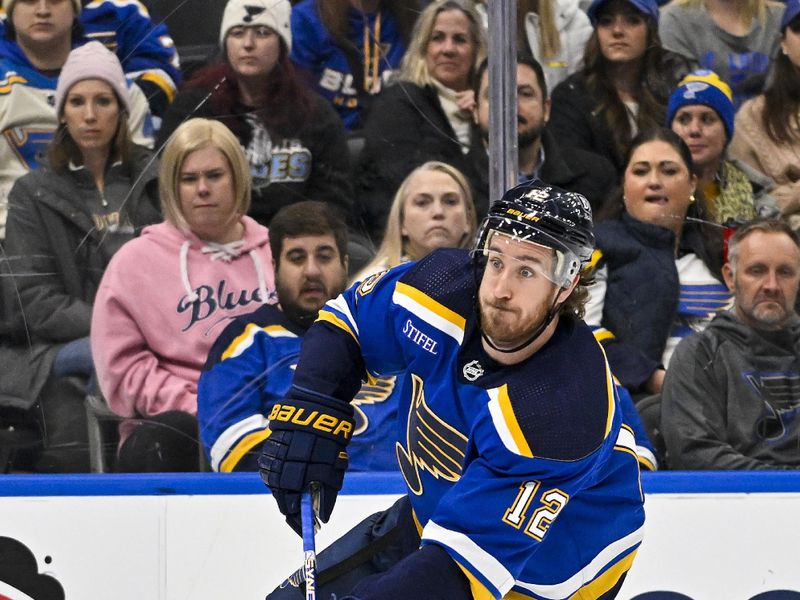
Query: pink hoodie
[(164, 299)]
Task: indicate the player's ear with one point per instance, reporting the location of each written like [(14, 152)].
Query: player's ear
[(565, 292)]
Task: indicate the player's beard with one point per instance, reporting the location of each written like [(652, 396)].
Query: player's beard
[(506, 326)]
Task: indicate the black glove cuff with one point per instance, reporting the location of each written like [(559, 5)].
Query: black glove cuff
[(322, 416)]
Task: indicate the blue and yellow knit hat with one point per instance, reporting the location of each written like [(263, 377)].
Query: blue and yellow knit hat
[(705, 88)]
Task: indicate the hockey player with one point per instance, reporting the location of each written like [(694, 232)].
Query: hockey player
[(519, 470)]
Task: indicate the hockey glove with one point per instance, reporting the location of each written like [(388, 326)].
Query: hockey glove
[(307, 443)]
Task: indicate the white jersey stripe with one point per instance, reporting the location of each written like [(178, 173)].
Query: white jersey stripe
[(500, 423), (233, 434), (626, 439), (480, 560), (566, 588), (430, 317), (341, 306)]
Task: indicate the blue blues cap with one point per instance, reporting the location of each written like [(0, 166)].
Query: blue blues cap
[(790, 13), (648, 7)]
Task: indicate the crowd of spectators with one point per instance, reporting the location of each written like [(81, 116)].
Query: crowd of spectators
[(144, 216)]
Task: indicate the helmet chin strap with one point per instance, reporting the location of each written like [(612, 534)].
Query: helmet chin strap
[(551, 313)]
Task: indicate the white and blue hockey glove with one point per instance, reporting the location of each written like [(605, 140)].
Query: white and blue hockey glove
[(307, 443)]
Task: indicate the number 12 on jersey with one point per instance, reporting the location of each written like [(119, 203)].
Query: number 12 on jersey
[(552, 502)]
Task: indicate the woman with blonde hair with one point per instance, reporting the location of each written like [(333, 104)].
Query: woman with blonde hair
[(207, 263), (736, 40), (426, 115), (432, 209)]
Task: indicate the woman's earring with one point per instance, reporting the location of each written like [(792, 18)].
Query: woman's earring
[(691, 199)]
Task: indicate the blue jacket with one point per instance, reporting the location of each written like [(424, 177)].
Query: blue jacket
[(644, 292)]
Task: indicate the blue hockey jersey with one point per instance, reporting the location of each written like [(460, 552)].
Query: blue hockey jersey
[(249, 368), (524, 474)]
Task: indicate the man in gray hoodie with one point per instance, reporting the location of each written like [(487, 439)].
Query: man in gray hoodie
[(731, 397)]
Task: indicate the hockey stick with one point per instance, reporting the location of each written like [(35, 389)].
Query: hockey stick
[(309, 522)]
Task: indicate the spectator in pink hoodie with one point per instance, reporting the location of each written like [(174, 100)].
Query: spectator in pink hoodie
[(167, 295)]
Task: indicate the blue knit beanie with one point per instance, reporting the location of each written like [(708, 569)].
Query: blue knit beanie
[(707, 89)]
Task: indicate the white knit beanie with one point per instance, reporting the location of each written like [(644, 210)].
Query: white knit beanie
[(92, 61), (275, 14), (8, 6)]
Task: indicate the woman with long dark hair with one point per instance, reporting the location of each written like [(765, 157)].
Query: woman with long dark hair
[(657, 273), (767, 135), (293, 139), (623, 87)]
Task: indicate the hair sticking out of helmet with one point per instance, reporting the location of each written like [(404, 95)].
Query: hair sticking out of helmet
[(547, 216)]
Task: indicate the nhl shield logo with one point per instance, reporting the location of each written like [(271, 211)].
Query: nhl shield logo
[(472, 370)]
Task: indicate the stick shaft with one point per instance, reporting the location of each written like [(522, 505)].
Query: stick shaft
[(309, 549)]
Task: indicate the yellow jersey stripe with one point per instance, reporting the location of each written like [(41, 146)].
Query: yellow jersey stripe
[(479, 591), (331, 318), (246, 444), (645, 463), (601, 335), (430, 311), (511, 422), (245, 339), (165, 84), (505, 422), (609, 393), (473, 555), (606, 581), (596, 256), (241, 342)]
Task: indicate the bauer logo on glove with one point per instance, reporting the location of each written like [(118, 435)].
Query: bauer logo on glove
[(305, 418)]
